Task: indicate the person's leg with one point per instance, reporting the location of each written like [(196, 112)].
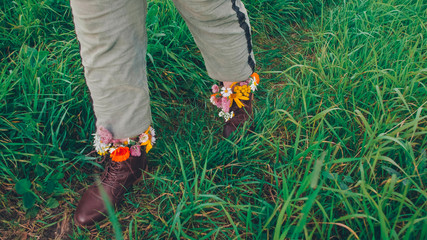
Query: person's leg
[(113, 42), (222, 32)]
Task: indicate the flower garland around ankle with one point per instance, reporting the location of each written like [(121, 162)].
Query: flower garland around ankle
[(121, 149), (223, 98)]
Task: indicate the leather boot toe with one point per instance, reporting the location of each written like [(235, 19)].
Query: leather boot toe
[(117, 178), (91, 208)]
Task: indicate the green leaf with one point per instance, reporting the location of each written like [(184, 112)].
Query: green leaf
[(40, 171), (52, 203), (348, 179), (58, 176), (30, 54), (59, 189), (152, 15), (32, 212), (35, 159), (328, 175), (391, 171), (49, 187), (29, 200), (23, 186), (343, 186)]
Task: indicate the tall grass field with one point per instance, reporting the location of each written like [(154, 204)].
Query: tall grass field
[(337, 148)]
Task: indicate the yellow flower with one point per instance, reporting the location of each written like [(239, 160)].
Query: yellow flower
[(245, 90), (146, 140), (236, 97)]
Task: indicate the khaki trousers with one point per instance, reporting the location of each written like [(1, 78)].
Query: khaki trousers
[(113, 43)]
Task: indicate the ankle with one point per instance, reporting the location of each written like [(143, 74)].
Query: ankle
[(233, 93), (227, 84), (121, 149)]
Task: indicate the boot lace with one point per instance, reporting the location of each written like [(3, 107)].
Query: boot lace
[(110, 173)]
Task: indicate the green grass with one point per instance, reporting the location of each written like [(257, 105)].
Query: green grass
[(338, 150)]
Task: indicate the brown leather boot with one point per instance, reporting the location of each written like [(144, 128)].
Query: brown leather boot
[(117, 178), (241, 115)]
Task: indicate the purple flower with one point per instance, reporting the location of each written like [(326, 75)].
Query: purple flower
[(215, 88), (105, 135), (225, 104), (135, 151)]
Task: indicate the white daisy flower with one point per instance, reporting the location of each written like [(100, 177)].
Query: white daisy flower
[(225, 115), (143, 138), (152, 132), (96, 139), (213, 100), (99, 146), (253, 86), (225, 92)]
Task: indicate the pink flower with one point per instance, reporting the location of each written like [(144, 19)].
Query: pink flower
[(135, 151), (218, 102), (215, 88), (213, 100), (105, 135), (243, 83), (225, 104)]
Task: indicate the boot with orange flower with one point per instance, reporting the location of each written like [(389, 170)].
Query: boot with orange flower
[(128, 159), (235, 102)]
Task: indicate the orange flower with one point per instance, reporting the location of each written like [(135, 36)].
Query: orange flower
[(256, 77), (214, 95), (120, 154)]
